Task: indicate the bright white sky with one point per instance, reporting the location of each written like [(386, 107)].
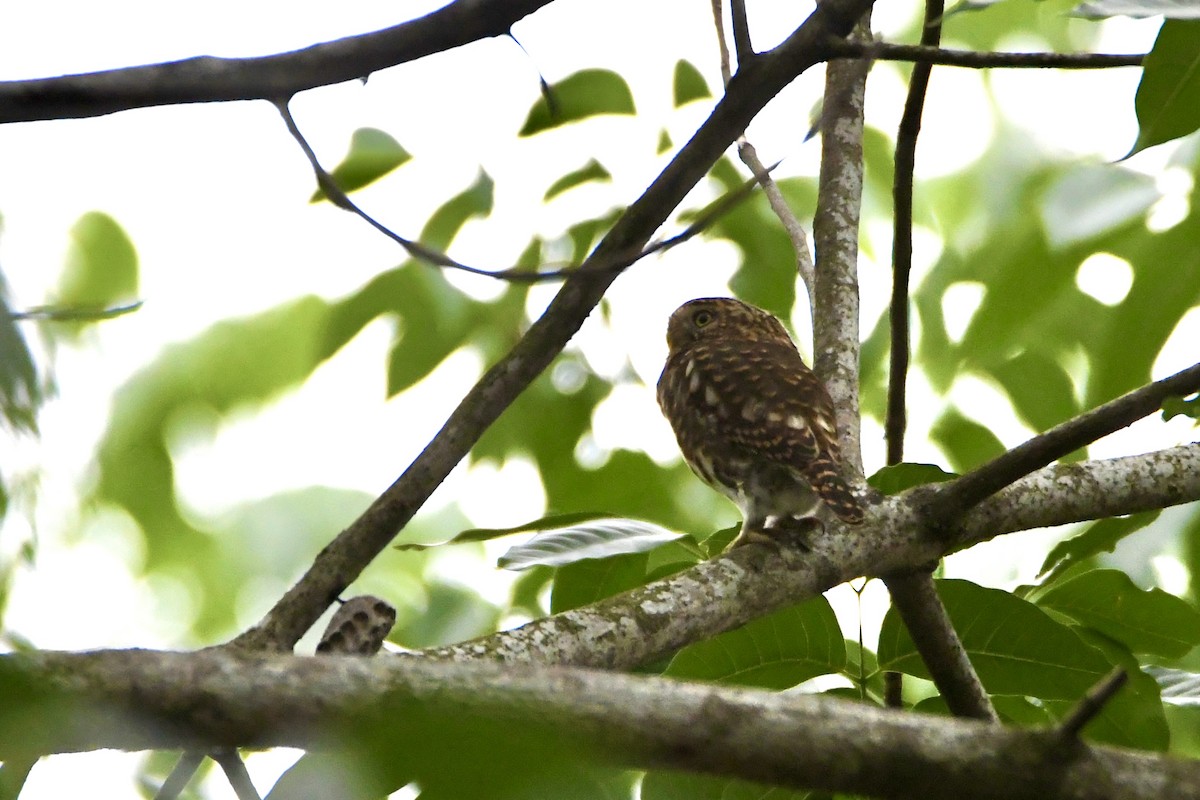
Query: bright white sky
[(215, 200)]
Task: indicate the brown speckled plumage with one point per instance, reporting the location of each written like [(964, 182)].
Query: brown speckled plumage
[(752, 419)]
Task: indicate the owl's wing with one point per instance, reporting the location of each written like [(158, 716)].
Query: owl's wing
[(767, 400)]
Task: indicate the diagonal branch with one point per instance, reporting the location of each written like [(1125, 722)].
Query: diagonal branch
[(557, 716), (952, 499), (207, 79), (344, 558)]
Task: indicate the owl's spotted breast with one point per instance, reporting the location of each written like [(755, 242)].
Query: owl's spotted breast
[(751, 418)]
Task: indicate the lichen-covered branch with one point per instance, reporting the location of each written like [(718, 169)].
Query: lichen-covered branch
[(142, 699)]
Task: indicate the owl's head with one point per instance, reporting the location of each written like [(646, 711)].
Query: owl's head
[(721, 318)]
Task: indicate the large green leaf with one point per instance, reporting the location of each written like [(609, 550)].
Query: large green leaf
[(896, 478), (1014, 646), (777, 651), (585, 582), (584, 94), (1151, 621), (591, 171), (373, 154), (1168, 98)]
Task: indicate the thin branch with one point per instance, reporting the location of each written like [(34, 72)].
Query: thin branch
[(207, 79), (74, 313), (235, 771), (980, 59), (345, 557), (181, 775), (1091, 704), (951, 499), (895, 420), (559, 716), (616, 265), (741, 32), (719, 24), (915, 598)]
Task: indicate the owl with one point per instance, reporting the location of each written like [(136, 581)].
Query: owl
[(752, 419)]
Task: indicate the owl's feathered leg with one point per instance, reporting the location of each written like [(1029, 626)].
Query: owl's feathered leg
[(777, 532)]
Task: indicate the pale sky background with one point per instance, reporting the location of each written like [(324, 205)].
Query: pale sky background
[(215, 198)]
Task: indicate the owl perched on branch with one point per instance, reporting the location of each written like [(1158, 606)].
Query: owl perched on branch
[(752, 419)]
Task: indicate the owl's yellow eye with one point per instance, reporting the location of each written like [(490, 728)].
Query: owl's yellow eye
[(702, 318)]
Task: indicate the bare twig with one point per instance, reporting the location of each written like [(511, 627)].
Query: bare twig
[(235, 771), (73, 313), (741, 32), (977, 59), (950, 499), (180, 776), (719, 24), (1091, 704), (902, 199), (616, 264)]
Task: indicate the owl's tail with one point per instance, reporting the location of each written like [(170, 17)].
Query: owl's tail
[(829, 484)]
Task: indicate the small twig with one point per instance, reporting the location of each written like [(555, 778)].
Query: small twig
[(719, 24), (951, 499), (180, 776), (1091, 704), (741, 32), (68, 314), (235, 770), (617, 263), (977, 59)]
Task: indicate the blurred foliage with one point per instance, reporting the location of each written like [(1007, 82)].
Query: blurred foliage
[(1014, 227)]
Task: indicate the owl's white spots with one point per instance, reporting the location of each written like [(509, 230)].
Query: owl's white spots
[(710, 396), (796, 421)]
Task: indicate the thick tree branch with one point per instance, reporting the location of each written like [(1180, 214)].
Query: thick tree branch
[(978, 59), (218, 699), (207, 79), (344, 558), (835, 241), (654, 621), (951, 499)]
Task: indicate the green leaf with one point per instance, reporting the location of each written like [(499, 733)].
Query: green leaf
[(664, 142), (585, 94), (1181, 407), (373, 154), (1152, 622), (684, 786), (101, 268), (595, 539), (487, 534), (585, 582), (20, 390), (1040, 389), (897, 478), (966, 442), (1099, 537), (445, 223), (1093, 199), (777, 651), (1168, 98), (591, 171), (689, 84), (1014, 646)]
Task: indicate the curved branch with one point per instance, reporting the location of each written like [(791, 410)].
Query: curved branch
[(207, 79), (343, 559), (217, 699)]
